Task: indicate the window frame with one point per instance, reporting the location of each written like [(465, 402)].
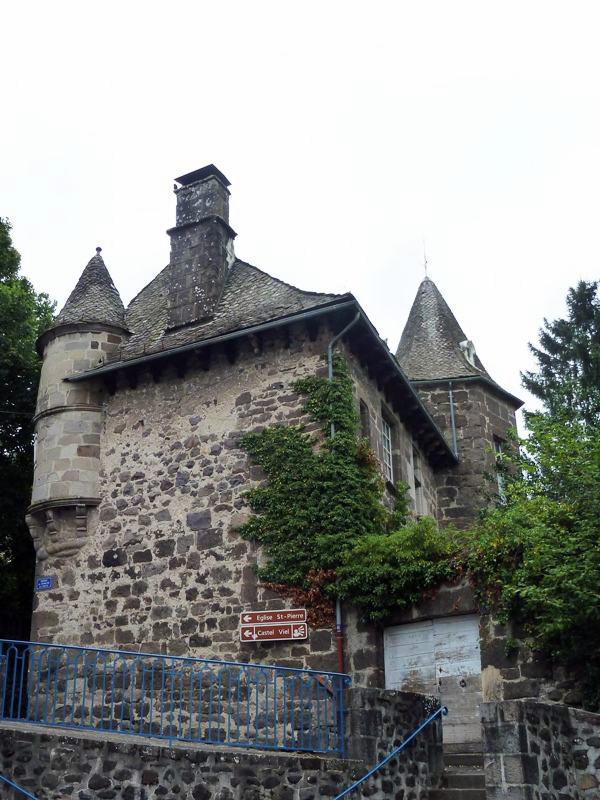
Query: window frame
[(387, 449), (499, 446), (417, 471)]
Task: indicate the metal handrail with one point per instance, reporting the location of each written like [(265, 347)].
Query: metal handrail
[(442, 710), (172, 697), (173, 658), (18, 788)]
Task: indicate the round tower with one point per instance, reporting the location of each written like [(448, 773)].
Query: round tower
[(68, 420), (472, 410)]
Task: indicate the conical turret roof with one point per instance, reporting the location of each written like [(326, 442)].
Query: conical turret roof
[(433, 346), (94, 298)]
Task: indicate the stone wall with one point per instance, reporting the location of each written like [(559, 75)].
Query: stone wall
[(69, 416), (378, 721), (540, 751), (481, 415), (160, 566), (512, 671), (403, 443), (87, 766)]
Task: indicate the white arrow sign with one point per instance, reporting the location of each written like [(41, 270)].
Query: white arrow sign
[(273, 617), (273, 633)]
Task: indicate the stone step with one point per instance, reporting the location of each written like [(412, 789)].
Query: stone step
[(464, 780), (463, 760), (457, 794)]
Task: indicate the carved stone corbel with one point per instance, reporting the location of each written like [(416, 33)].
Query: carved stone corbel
[(58, 532)]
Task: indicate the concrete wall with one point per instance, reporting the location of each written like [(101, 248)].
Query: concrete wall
[(90, 765), (540, 751)]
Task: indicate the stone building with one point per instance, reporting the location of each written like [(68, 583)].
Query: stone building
[(140, 480)]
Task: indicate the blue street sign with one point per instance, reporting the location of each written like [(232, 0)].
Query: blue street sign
[(44, 583)]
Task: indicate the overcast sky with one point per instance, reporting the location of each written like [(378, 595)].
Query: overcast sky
[(350, 133)]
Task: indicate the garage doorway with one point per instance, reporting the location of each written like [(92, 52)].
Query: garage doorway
[(440, 657)]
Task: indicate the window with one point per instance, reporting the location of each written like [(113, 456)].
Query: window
[(365, 422), (387, 450), (417, 477), (499, 449)]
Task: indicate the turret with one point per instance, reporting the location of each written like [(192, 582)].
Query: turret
[(473, 411), (68, 420)]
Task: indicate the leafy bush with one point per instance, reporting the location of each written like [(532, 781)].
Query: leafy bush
[(388, 571), (536, 558)]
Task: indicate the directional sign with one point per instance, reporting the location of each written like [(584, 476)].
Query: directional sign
[(271, 617), (273, 633), (44, 583)]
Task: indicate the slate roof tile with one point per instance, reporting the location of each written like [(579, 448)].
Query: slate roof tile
[(429, 348), (94, 298), (250, 296)]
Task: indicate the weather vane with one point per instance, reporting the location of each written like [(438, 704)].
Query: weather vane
[(424, 258)]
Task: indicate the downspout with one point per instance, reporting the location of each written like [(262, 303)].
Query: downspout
[(452, 419), (339, 634)]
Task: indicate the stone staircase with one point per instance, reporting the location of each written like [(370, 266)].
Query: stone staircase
[(463, 778)]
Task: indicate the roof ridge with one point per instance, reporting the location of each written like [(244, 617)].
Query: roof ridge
[(284, 283)]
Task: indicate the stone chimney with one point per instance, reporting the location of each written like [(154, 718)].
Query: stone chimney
[(201, 246)]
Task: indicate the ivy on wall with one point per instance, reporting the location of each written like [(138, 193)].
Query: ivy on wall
[(320, 516), (533, 559)]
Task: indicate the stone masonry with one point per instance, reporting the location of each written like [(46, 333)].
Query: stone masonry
[(140, 479), (161, 566), (103, 766), (540, 751), (481, 417)]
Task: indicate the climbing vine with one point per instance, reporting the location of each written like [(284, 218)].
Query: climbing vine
[(533, 559), (321, 509)]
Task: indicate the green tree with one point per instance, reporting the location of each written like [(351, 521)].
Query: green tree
[(23, 315), (568, 356), (536, 558)]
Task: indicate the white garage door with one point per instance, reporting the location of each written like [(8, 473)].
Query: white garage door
[(440, 657)]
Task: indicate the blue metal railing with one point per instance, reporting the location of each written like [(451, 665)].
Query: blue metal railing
[(426, 722), (18, 788), (171, 697)]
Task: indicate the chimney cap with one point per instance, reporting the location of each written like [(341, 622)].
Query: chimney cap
[(200, 174)]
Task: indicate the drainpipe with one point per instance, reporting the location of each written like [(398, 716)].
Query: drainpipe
[(339, 634), (452, 419)]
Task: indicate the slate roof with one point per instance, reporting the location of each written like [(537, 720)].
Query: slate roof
[(429, 348), (250, 297), (94, 298)]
